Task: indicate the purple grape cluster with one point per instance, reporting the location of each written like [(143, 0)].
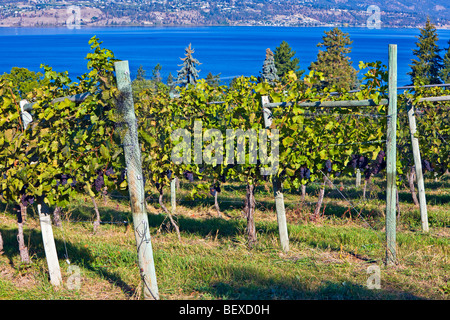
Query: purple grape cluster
[(189, 175), (305, 173), (359, 162), (328, 165), (378, 165), (99, 182), (213, 189), (427, 165), (26, 200), (109, 171)]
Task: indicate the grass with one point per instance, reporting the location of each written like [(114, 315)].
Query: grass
[(328, 258)]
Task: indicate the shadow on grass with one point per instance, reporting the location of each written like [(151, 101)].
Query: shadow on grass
[(249, 283), (78, 255)]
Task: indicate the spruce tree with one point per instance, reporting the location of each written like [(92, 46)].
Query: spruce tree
[(170, 80), (445, 71), (285, 61), (156, 73), (140, 73), (425, 69), (333, 62), (188, 73), (269, 72), (140, 83), (213, 80)]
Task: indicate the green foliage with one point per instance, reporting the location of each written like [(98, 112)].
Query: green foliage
[(433, 130), (22, 81), (305, 140), (285, 60), (65, 138), (425, 68), (334, 63)]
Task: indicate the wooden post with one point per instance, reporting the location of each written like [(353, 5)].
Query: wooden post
[(125, 107), (277, 189), (173, 194), (391, 159), (358, 178), (49, 244), (418, 166)]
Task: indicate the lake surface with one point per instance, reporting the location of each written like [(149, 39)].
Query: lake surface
[(230, 51)]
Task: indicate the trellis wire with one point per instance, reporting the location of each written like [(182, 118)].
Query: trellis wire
[(351, 204)]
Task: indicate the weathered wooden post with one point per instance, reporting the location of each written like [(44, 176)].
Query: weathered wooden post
[(391, 159), (277, 188), (358, 178), (48, 238), (125, 107), (49, 244), (418, 166), (173, 194)]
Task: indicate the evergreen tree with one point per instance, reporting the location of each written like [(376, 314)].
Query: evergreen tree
[(170, 80), (445, 71), (333, 62), (140, 83), (285, 61), (269, 72), (157, 73), (188, 73), (425, 69), (140, 73), (213, 80)]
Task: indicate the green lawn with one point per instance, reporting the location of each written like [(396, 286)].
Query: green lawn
[(328, 258)]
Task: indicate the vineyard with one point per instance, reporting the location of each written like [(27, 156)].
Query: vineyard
[(259, 189)]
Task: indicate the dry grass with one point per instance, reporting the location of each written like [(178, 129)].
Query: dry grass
[(328, 258)]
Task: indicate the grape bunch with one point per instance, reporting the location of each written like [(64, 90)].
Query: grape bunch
[(377, 166), (213, 189), (305, 173), (363, 162), (359, 162), (26, 200), (62, 180), (109, 172), (189, 175), (328, 165), (427, 165), (99, 182)]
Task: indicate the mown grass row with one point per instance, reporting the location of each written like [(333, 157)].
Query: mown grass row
[(328, 259)]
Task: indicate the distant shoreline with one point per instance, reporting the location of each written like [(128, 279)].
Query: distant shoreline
[(206, 26)]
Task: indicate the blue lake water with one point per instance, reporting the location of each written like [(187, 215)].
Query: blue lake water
[(230, 51)]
